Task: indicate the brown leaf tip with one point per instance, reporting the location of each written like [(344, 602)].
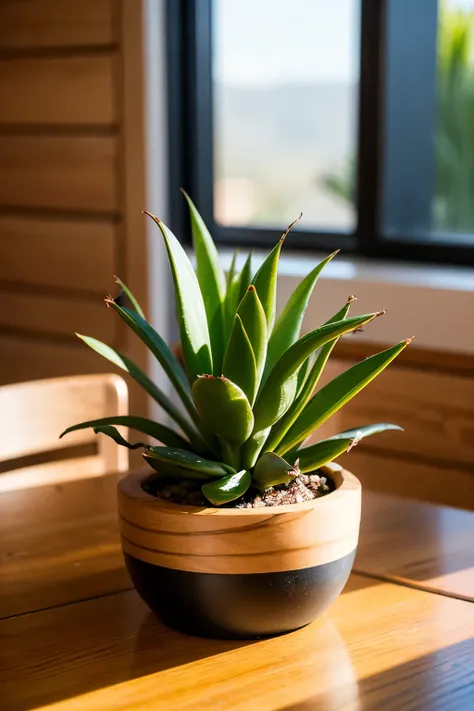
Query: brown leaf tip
[(409, 340), (380, 313), (251, 288), (290, 227), (351, 298), (208, 377), (153, 217)]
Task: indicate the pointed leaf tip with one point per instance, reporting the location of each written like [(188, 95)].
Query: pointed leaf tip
[(290, 227), (153, 217)]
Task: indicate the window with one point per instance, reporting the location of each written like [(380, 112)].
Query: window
[(285, 110), (359, 114)]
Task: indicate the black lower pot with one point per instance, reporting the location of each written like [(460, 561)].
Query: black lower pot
[(239, 573), (239, 606)]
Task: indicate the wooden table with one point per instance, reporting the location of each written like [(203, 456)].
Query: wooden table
[(74, 635)]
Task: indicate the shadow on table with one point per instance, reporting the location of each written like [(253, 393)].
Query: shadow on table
[(440, 681), (94, 646)]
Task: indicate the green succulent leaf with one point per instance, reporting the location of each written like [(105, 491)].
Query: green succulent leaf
[(239, 361), (233, 268), (265, 280), (180, 463), (336, 394), (272, 470), (255, 324), (140, 424), (252, 448), (279, 390), (245, 277), (156, 345), (130, 297), (224, 408), (227, 489), (315, 456), (211, 280), (310, 382), (191, 313), (231, 300), (148, 385), (320, 453), (288, 326), (114, 434), (304, 371)]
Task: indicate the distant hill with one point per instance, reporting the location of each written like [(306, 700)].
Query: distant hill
[(283, 140)]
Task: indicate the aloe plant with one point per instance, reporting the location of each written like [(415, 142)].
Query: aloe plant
[(248, 386)]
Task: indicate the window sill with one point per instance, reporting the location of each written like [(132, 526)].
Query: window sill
[(433, 303)]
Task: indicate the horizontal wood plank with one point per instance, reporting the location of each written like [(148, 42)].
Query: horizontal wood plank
[(58, 91), (384, 473), (63, 172), (69, 254), (350, 348), (381, 646), (435, 409), (55, 315), (30, 24), (28, 358)]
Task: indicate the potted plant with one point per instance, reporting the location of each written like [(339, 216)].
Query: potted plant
[(240, 529)]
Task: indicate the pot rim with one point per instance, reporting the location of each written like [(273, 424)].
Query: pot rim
[(346, 485)]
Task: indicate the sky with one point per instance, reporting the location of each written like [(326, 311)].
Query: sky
[(264, 42), (269, 42)]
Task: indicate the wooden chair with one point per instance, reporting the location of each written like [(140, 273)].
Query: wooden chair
[(33, 415)]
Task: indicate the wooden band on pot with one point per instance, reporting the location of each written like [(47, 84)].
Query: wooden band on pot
[(210, 540)]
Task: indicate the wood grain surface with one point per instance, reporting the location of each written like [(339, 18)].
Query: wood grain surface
[(232, 541), (59, 172), (63, 247), (53, 91), (430, 547), (436, 410), (381, 646), (427, 481), (27, 24), (64, 316), (46, 358), (59, 544)]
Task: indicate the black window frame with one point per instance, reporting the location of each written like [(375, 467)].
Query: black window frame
[(190, 141)]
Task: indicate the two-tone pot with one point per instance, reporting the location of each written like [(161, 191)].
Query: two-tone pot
[(240, 573)]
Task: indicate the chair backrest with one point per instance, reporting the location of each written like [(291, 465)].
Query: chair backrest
[(33, 415)]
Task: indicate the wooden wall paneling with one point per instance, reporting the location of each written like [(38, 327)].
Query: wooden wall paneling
[(435, 409), (57, 315), (57, 90), (30, 358), (59, 172), (132, 102), (449, 486), (72, 254), (351, 348), (56, 23)]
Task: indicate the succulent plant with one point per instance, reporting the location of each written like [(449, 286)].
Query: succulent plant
[(248, 383)]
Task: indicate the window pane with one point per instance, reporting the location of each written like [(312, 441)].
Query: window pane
[(285, 112), (428, 175), (453, 205)]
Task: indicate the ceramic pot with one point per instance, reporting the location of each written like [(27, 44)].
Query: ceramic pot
[(239, 573)]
